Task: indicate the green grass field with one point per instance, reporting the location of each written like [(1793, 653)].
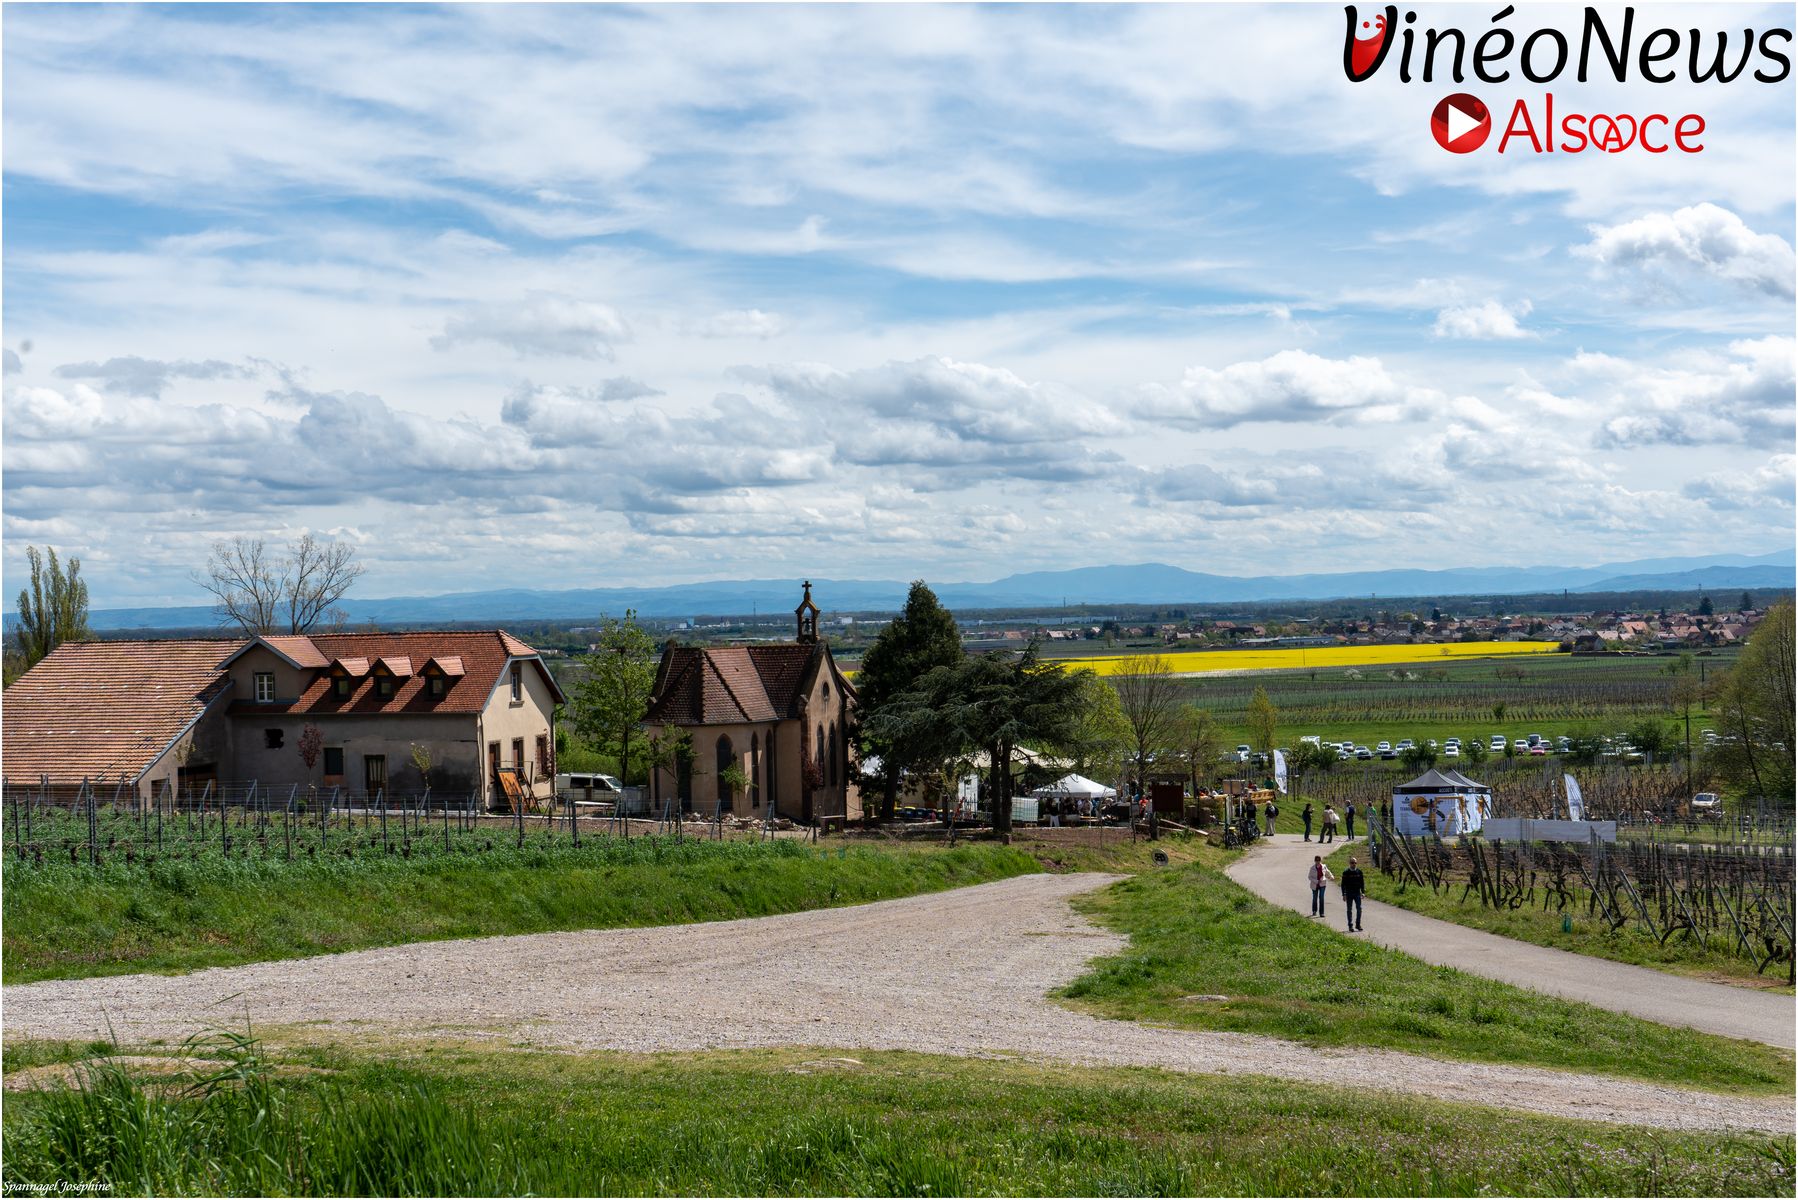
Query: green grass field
[(386, 1121), (1193, 932), (66, 921), (1678, 955)]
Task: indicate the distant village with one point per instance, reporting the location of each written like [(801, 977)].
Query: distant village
[(1653, 630)]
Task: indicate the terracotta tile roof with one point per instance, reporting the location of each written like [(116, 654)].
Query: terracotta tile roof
[(106, 710), (449, 664), (300, 649), (482, 654), (398, 664), (111, 708), (730, 685), (355, 667)]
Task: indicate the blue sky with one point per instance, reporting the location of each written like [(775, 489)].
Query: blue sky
[(575, 295)]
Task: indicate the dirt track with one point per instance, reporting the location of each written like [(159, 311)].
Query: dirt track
[(963, 972)]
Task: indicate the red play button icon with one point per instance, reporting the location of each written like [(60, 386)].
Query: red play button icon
[(1461, 123)]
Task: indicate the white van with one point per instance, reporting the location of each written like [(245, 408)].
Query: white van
[(588, 787)]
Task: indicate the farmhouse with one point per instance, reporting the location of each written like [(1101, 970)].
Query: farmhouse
[(779, 713), (360, 712)]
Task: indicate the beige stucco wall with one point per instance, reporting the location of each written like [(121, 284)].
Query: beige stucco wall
[(289, 682), (450, 739), (783, 776), (503, 720)]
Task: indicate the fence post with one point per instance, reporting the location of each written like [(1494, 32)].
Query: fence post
[(93, 832)]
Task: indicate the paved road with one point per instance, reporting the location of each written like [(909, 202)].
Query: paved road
[(963, 972), (1276, 872)]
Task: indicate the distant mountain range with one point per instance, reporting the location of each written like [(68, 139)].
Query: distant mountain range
[(1144, 583)]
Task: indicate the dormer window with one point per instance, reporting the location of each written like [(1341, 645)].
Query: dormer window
[(438, 683), (384, 685), (265, 687), (341, 685)]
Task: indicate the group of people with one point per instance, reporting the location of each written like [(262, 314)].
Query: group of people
[(1054, 808), (1354, 886), (1327, 833)]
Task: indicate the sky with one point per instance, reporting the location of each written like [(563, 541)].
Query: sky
[(563, 296)]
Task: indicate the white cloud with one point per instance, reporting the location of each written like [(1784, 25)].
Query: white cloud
[(740, 323), (1481, 322), (1702, 240), (136, 376), (1745, 396), (1769, 485), (1293, 385), (553, 325)]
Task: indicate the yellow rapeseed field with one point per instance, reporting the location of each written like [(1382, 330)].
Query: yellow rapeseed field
[(1188, 662)]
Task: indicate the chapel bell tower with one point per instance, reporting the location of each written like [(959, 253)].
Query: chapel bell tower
[(807, 615)]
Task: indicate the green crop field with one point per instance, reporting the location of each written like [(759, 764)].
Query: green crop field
[(1550, 694)]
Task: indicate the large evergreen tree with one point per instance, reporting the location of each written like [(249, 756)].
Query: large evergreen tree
[(991, 704), (919, 640)]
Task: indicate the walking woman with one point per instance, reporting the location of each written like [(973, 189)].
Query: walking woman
[(1305, 816), (1319, 878)]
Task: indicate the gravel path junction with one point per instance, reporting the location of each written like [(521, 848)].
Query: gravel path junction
[(962, 972)]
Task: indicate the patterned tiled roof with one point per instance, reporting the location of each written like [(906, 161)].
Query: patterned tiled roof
[(298, 648), (483, 655), (110, 708), (731, 685), (103, 711)]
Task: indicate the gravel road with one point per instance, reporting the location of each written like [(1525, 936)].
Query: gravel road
[(962, 972)]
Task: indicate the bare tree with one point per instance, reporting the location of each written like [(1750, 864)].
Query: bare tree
[(1150, 698), (262, 593)]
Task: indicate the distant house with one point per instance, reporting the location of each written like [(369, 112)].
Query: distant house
[(145, 715), (779, 712)]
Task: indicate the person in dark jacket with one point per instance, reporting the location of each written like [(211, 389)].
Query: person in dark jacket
[(1350, 814), (1354, 886), (1305, 816)]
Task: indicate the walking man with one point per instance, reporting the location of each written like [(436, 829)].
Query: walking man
[(1273, 810), (1354, 884), (1305, 816), (1319, 878), (1329, 833), (1350, 813)]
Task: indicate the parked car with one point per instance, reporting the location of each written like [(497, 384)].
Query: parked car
[(1451, 752), (1498, 743), (1707, 804), (1385, 746), (1363, 752), (1406, 743), (1243, 752)]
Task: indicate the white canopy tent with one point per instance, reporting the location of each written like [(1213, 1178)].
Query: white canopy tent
[(1075, 786), (1443, 803)]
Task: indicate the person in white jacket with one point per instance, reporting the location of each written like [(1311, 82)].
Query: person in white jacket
[(1319, 877)]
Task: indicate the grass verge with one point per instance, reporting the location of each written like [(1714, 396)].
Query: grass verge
[(64, 922), (1194, 932), (786, 1122), (1588, 935)]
